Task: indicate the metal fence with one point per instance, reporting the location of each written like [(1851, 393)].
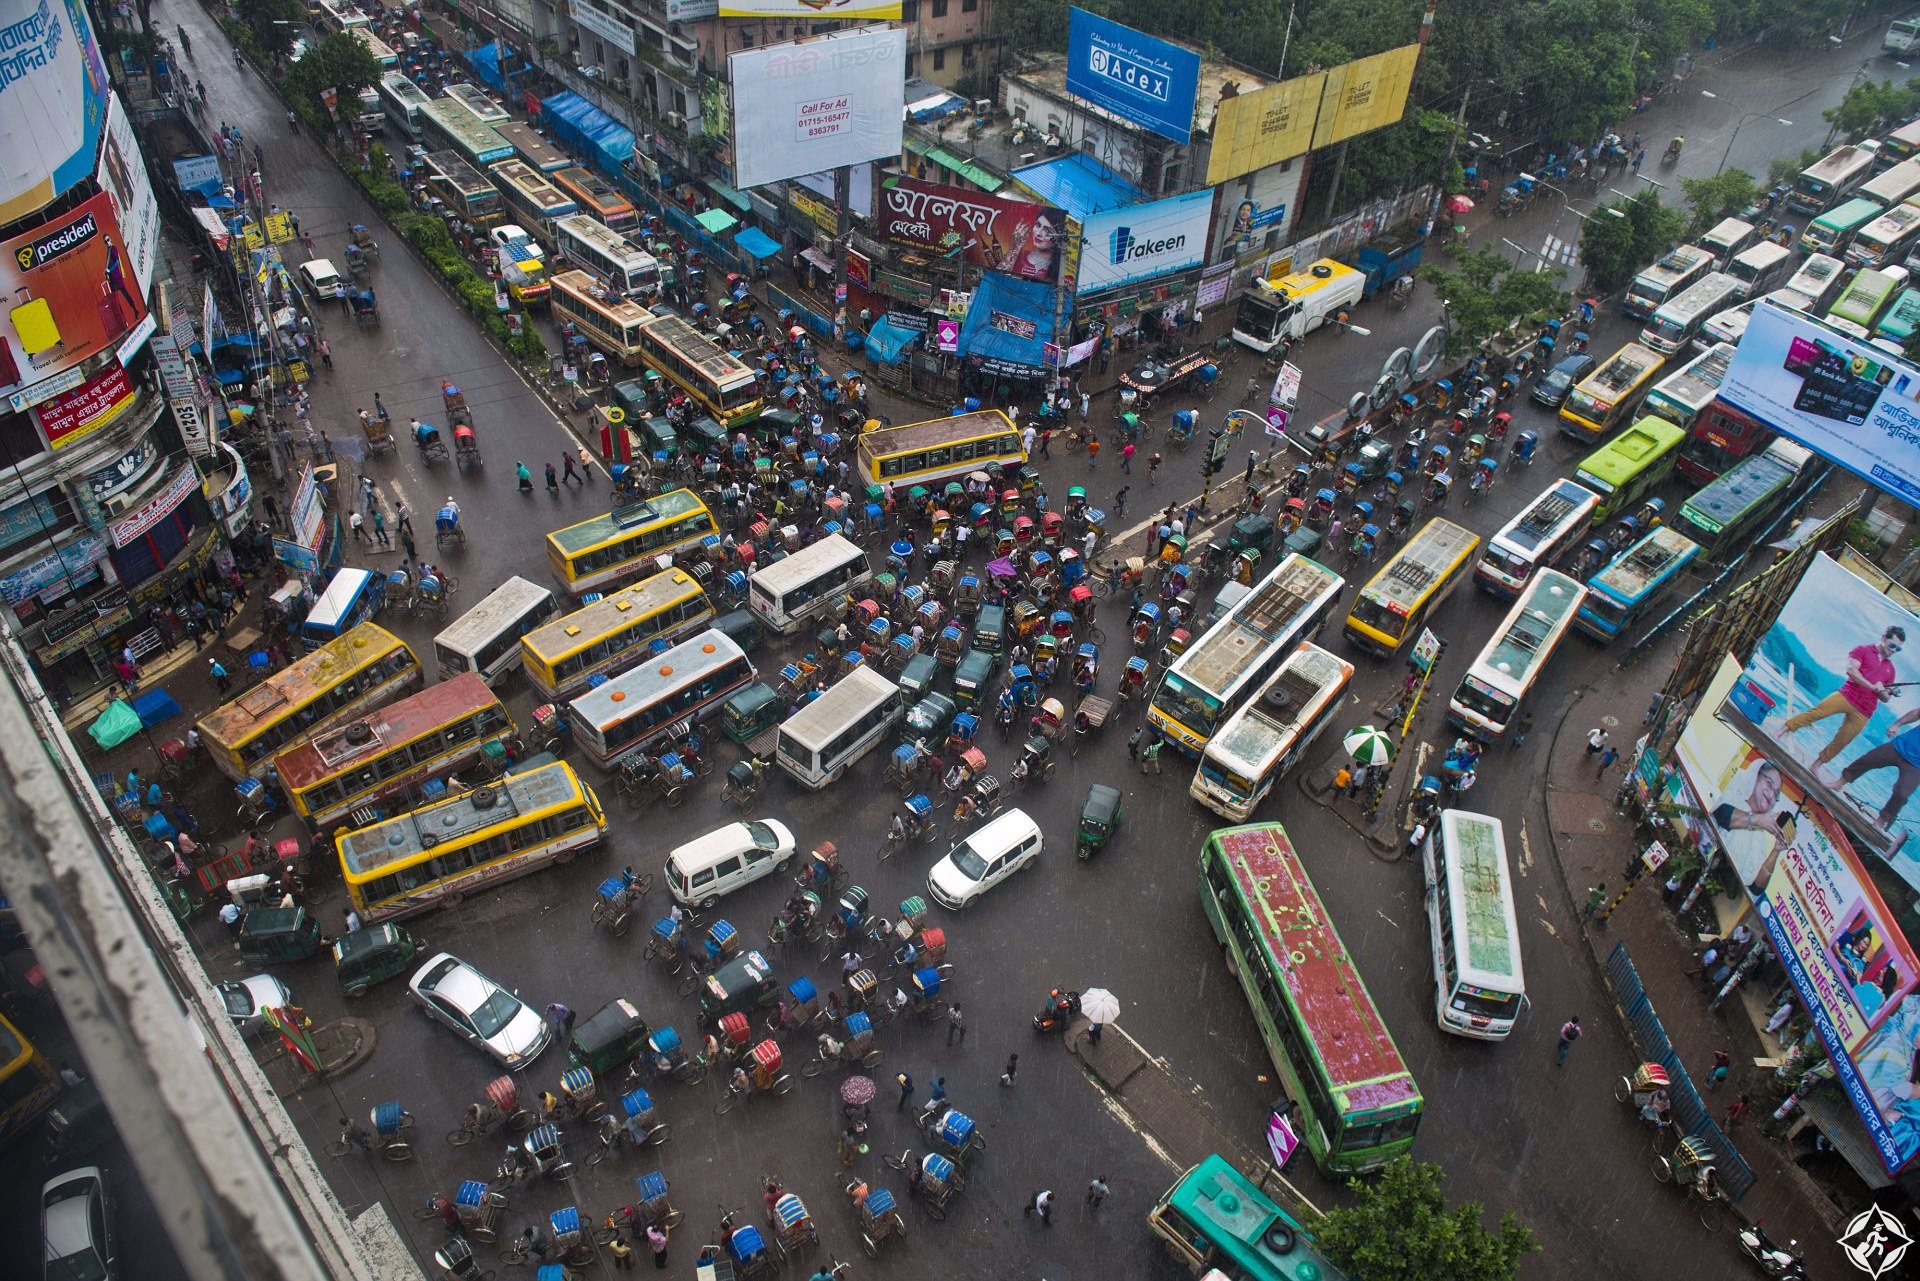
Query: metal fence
[(1690, 1115)]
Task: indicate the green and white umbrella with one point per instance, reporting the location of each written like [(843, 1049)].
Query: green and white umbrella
[(1368, 746)]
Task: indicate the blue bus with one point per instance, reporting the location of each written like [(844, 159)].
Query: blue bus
[(1629, 584)]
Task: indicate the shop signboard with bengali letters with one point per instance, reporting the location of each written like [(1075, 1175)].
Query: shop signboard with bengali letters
[(1011, 236)]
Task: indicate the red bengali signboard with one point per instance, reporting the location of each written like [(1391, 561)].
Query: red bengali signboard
[(93, 404), (1012, 236)]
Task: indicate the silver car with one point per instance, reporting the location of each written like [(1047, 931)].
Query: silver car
[(247, 1001), (489, 1016), (76, 1227)]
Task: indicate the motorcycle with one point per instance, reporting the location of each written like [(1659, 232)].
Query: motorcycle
[(1777, 1262), (1054, 1015)]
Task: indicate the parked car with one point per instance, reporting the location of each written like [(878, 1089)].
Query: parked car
[(247, 1001), (1562, 378), (76, 1227), (487, 1015), (324, 278)]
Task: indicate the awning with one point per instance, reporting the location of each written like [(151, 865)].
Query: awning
[(889, 344), (717, 220), (972, 172), (1008, 326), (210, 223), (1841, 1124), (732, 195), (756, 242), (818, 260)]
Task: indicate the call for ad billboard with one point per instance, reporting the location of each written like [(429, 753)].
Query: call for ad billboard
[(1010, 236), (1143, 241), (1844, 399), (1365, 94), (1854, 969), (814, 104), (811, 10), (1136, 77), (69, 293), (1254, 130), (123, 176), (53, 102)]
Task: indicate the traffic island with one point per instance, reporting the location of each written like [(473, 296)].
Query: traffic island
[(337, 1048)]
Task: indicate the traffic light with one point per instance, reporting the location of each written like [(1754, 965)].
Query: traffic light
[(1215, 458)]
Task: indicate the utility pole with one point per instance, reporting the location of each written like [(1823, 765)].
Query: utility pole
[(1453, 149), (842, 241)]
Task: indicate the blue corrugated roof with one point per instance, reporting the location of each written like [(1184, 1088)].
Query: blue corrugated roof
[(1078, 184)]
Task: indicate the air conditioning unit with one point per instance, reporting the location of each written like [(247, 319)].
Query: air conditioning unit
[(117, 504), (676, 121)]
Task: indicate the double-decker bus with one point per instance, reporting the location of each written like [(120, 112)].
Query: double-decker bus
[(530, 199), (1505, 672), (1720, 517), (531, 147), (1266, 738), (454, 847), (686, 683), (344, 678), (1479, 989), (1720, 438), (613, 633), (1543, 531), (1218, 1223), (475, 100), (446, 125), (1630, 584), (1630, 466), (713, 376), (597, 197), (404, 101), (611, 324), (1234, 657), (1359, 1106), (595, 555), (1608, 396), (1682, 397), (463, 189), (28, 1083), (938, 450), (625, 270), (392, 752), (1389, 610)]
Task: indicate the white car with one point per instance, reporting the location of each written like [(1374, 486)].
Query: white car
[(985, 858), (324, 278), (76, 1227), (700, 872), (486, 1014), (510, 234), (247, 1001)]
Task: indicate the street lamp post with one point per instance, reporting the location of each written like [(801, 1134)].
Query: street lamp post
[(1738, 125)]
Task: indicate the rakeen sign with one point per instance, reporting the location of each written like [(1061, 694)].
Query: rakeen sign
[(1143, 241)]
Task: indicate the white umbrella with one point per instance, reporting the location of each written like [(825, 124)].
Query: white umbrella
[(1368, 746), (1099, 1005)]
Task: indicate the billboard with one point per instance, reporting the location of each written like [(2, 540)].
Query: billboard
[(53, 102), (1831, 695), (1140, 242), (69, 294), (1136, 77), (1838, 940), (1851, 402), (98, 401), (810, 10), (123, 176), (1254, 130), (1365, 94), (818, 103), (1011, 236)]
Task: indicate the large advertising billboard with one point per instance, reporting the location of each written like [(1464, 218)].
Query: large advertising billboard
[(819, 103), (1365, 94), (1832, 695), (1140, 242), (69, 293), (811, 10), (1136, 77), (1254, 130), (1836, 937), (53, 102), (123, 176), (1010, 236), (1854, 403)]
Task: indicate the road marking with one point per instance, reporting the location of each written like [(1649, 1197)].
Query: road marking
[(1563, 253), (1388, 919)]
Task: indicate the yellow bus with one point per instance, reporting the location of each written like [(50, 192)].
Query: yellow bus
[(706, 371), (28, 1084), (596, 196), (393, 752), (611, 324), (346, 677), (612, 634), (608, 550), (1608, 396), (1390, 609), (940, 449), (451, 848)]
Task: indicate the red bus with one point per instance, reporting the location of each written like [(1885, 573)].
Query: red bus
[(1721, 437)]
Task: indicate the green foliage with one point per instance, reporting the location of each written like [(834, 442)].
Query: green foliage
[(1399, 1229), (271, 26), (338, 62), (1786, 168), (1869, 105), (1485, 294), (1606, 250), (1656, 228), (1711, 199)]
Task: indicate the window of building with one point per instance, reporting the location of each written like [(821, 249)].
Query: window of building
[(968, 55), (680, 101), (969, 6), (939, 59), (910, 11), (1170, 178), (939, 8), (746, 38), (912, 65)]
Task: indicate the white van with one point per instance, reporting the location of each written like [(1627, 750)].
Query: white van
[(706, 868), (984, 859)]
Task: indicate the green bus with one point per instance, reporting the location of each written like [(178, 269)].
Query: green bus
[(1898, 325), (1722, 516), (1215, 1218), (1833, 230), (1865, 299), (1631, 466), (1359, 1106)]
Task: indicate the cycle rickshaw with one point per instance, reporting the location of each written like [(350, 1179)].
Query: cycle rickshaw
[(793, 1228), (878, 1216)]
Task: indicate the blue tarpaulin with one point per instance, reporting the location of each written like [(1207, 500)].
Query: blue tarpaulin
[(585, 130), (1078, 184), (888, 344), (486, 65), (1008, 323), (756, 242)]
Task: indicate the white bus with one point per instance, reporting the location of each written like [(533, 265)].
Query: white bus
[(404, 101), (1681, 398), (633, 710), (1762, 267), (1535, 538), (586, 241), (1478, 986), (1895, 186), (1728, 327), (1267, 737), (1234, 657), (1508, 668), (339, 15), (475, 99), (1813, 286), (818, 742), (1676, 321), (785, 594), (1887, 239), (1667, 277), (486, 639)]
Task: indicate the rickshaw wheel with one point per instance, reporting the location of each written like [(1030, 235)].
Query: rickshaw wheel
[(1623, 1090), (599, 913), (935, 1210), (673, 1217), (461, 1137), (397, 1150), (696, 1073), (483, 1234), (782, 1084), (594, 1112), (690, 985), (1710, 1215), (1662, 1169), (565, 1171), (813, 1067), (871, 1059), (358, 989), (725, 1105), (620, 924), (868, 1244), (659, 1134)]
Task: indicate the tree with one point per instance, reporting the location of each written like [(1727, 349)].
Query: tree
[(1868, 105), (1711, 199), (1486, 294), (1399, 1229), (339, 62), (273, 24), (1606, 248), (1656, 228)]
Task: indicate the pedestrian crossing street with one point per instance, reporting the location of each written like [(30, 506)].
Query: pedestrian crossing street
[(1560, 253)]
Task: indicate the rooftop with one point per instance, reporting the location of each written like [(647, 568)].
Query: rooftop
[(1048, 73)]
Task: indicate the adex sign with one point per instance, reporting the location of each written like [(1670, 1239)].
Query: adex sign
[(1144, 241)]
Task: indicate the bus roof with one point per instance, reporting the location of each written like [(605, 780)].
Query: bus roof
[(852, 694), (533, 183), (372, 849), (1417, 566), (453, 168), (1311, 279), (1242, 638), (783, 575), (1623, 370), (1550, 598), (475, 99), (1851, 213), (1361, 1060), (593, 184), (712, 360), (509, 600), (609, 703), (531, 147), (1277, 716), (306, 764), (1484, 916), (1528, 531), (586, 227), (469, 130), (1626, 455), (935, 431), (1698, 380), (1838, 163), (1678, 262), (1237, 1216), (1661, 552), (586, 285), (1709, 293), (1747, 482), (401, 85), (570, 631), (1862, 297), (671, 505), (1902, 318), (297, 682)]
